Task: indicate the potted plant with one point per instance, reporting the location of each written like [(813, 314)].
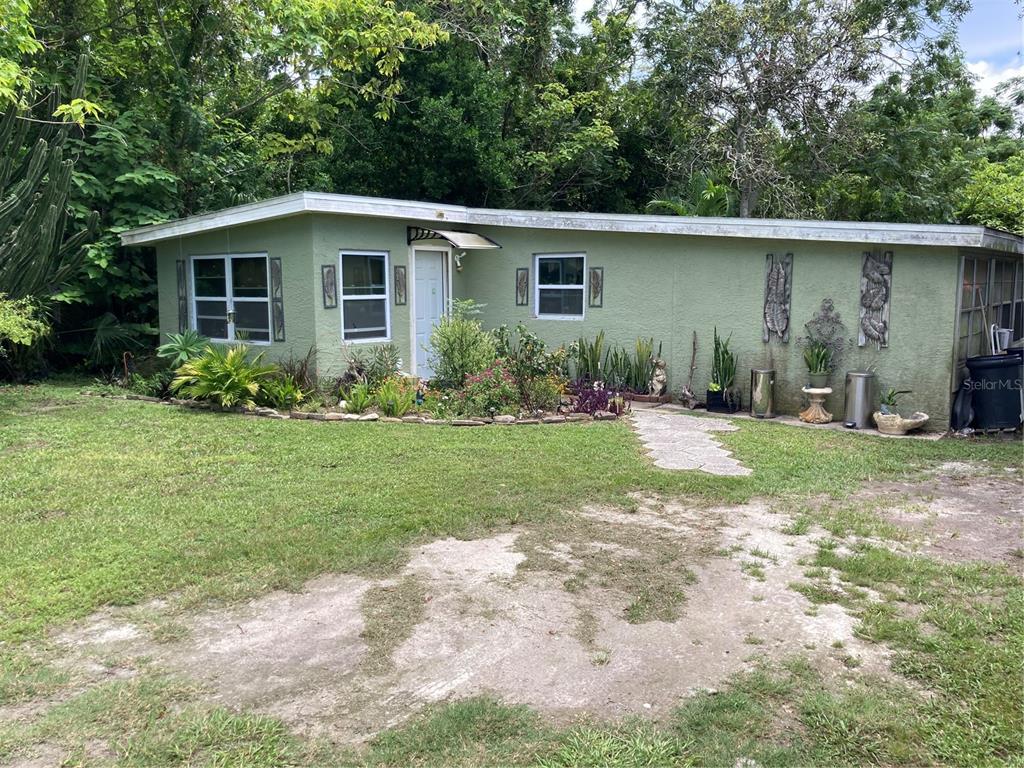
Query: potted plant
[(889, 422), (720, 395), (890, 400), (824, 344), (818, 357)]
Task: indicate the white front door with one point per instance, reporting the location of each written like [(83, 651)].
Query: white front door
[(429, 302)]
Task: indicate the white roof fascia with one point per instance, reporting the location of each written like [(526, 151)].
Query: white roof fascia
[(265, 210), (876, 233)]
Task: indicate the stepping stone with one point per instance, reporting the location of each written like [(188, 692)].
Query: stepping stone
[(683, 442)]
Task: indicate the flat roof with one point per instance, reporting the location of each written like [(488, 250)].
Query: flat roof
[(954, 235)]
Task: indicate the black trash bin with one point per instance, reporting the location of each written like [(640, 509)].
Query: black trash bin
[(995, 384)]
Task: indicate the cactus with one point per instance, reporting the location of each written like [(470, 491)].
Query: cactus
[(37, 253)]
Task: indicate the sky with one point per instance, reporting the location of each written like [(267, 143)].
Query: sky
[(992, 36)]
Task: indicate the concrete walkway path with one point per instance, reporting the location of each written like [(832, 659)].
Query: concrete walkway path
[(677, 441)]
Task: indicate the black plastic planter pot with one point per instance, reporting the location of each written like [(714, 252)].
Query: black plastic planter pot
[(716, 402), (995, 385)]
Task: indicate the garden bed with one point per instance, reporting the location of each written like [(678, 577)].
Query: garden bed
[(410, 418), (660, 399)]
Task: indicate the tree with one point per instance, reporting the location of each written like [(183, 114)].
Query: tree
[(189, 92), (515, 109), (744, 78), (20, 323), (994, 196), (17, 41)]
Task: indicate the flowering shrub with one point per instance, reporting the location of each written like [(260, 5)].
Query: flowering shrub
[(590, 398), (492, 391)]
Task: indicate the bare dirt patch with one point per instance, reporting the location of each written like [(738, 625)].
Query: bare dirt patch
[(615, 613), (961, 513)]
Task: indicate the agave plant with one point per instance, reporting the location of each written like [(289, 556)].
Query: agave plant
[(225, 376)]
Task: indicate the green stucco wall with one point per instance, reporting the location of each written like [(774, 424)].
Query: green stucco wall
[(331, 235), (655, 285), (288, 239), (669, 286)]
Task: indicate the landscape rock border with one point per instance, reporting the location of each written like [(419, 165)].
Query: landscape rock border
[(271, 413)]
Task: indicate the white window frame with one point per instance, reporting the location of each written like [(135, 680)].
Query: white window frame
[(230, 299), (342, 253), (537, 286)]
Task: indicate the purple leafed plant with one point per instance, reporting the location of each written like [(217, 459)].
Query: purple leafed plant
[(590, 397)]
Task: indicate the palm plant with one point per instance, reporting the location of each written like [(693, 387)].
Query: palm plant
[(704, 197), (226, 376), (393, 398), (182, 347)]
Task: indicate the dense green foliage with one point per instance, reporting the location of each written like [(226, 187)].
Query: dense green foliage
[(192, 107), (20, 322)]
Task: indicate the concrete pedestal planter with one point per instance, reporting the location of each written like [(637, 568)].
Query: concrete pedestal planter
[(894, 424), (815, 412)]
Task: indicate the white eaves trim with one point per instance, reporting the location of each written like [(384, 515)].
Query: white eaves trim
[(951, 235)]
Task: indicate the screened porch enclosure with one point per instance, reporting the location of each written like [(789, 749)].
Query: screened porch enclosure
[(992, 292)]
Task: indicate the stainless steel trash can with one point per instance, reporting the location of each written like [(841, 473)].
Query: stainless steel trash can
[(860, 399), (762, 393)]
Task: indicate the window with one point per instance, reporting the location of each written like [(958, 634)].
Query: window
[(992, 292), (231, 297), (560, 285), (365, 312)]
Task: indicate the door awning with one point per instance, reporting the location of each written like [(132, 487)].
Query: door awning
[(467, 241)]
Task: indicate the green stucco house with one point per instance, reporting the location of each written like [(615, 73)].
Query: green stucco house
[(336, 272)]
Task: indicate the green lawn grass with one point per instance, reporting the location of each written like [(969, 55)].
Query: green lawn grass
[(112, 502)]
